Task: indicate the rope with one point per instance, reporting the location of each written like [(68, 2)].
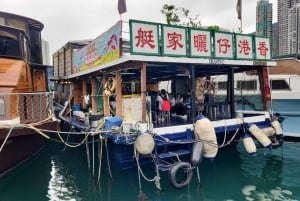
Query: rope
[(198, 175), (141, 172), (100, 147), (107, 156), (8, 134), (70, 145)]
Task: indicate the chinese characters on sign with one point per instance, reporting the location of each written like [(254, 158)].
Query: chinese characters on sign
[(223, 45), (174, 41), (146, 39), (200, 43), (262, 46), (244, 47)]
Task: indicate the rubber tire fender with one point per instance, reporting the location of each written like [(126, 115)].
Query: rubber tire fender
[(187, 177)]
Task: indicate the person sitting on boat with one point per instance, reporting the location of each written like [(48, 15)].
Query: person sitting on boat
[(188, 104), (173, 103), (179, 107)]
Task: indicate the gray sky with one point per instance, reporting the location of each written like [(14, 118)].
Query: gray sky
[(66, 20)]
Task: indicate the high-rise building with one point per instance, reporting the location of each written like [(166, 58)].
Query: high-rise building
[(264, 18), (288, 23), (275, 45)]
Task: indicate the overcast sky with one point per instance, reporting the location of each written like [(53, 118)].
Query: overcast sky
[(66, 20)]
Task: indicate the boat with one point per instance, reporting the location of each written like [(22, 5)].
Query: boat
[(285, 82), (26, 110), (116, 91), (285, 92)]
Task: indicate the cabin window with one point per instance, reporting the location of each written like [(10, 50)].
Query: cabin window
[(279, 85), (222, 85), (9, 46), (247, 85)]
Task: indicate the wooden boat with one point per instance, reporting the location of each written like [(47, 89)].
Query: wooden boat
[(25, 103), (119, 81)]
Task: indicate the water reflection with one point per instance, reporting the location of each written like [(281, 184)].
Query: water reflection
[(265, 177), (62, 184)]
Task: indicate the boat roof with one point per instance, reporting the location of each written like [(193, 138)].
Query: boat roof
[(289, 66), (31, 22), (171, 65)]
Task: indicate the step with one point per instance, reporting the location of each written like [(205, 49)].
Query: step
[(164, 167), (173, 141), (174, 153)]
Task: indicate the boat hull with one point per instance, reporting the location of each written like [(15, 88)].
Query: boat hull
[(21, 145)]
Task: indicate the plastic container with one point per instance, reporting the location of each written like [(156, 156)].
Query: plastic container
[(126, 127), (112, 121), (94, 119), (76, 107)]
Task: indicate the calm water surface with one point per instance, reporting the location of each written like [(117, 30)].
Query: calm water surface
[(62, 174)]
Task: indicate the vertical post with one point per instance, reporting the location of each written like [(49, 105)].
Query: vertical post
[(93, 95), (230, 89), (84, 92), (193, 95), (118, 94), (143, 89)]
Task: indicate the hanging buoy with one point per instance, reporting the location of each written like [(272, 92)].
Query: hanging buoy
[(109, 86), (188, 174), (249, 145), (278, 130), (205, 132), (268, 131), (144, 143), (260, 136), (197, 154)]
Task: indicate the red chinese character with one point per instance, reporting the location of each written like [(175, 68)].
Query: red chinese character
[(174, 40), (223, 45), (200, 42), (145, 38), (244, 47), (262, 49)]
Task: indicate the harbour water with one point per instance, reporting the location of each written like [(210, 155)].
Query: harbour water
[(59, 173)]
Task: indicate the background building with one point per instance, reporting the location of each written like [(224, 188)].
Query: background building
[(288, 23), (264, 18)]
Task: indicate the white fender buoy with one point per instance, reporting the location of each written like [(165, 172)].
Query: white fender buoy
[(278, 130), (249, 145), (260, 136), (268, 131), (204, 131), (144, 143)]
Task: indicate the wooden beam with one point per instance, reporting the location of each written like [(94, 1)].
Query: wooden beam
[(93, 95), (118, 94), (84, 92)]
